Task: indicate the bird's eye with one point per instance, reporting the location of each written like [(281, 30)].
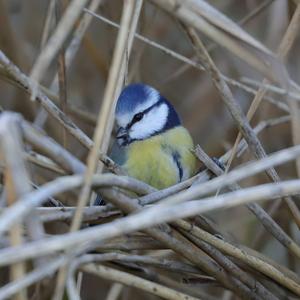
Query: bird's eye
[(137, 117)]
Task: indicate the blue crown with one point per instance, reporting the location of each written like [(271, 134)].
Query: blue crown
[(136, 94), (132, 96)]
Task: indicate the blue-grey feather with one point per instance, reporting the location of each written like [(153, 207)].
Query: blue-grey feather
[(138, 93), (131, 96), (118, 153)]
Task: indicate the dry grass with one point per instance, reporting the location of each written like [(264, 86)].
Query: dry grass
[(231, 69)]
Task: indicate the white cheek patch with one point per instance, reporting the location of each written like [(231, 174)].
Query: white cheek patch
[(152, 122), (152, 97)]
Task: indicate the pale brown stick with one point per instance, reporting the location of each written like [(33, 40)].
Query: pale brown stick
[(237, 114)]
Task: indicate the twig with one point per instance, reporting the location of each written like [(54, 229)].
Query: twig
[(16, 184), (50, 148), (105, 112), (129, 243), (237, 115), (44, 162), (283, 50), (54, 43), (101, 127), (183, 247), (242, 146), (171, 265), (71, 182), (205, 18), (121, 77), (91, 258), (70, 54), (54, 111), (91, 120), (235, 175), (122, 277), (271, 88), (48, 23), (104, 123), (146, 219), (61, 71), (87, 230), (167, 215), (198, 66), (50, 214), (62, 184), (262, 216), (38, 274), (256, 11), (231, 267), (134, 281), (77, 39), (204, 175), (241, 254), (71, 109)]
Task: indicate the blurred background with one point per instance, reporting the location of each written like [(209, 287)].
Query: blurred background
[(187, 88)]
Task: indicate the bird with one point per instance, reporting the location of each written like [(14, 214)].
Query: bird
[(151, 143)]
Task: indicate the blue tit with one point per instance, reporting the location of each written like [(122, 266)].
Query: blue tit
[(152, 145)]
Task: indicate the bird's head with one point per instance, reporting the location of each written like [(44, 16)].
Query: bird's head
[(141, 113)]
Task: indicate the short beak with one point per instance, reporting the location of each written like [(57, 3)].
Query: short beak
[(121, 133), (122, 136)]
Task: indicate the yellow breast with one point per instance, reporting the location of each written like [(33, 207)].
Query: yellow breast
[(162, 160)]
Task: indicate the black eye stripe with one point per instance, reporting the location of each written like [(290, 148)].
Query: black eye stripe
[(137, 117), (155, 104)]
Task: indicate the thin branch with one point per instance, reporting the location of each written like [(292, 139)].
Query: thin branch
[(146, 219), (16, 184), (183, 247), (256, 11), (237, 114), (105, 113), (204, 175), (201, 16), (292, 283), (91, 213), (44, 162), (270, 225), (121, 77), (61, 71), (137, 282), (62, 184), (54, 111), (55, 42), (77, 39), (282, 52), (198, 66), (70, 54), (284, 48), (231, 267), (48, 23), (52, 149), (38, 274)]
